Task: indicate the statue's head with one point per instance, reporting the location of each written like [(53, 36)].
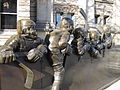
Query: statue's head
[(94, 35), (66, 23), (106, 29), (26, 26), (79, 32)]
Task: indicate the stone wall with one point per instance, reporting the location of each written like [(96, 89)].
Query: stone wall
[(65, 8), (73, 2), (89, 8), (44, 12), (104, 9), (91, 11), (33, 10), (26, 9), (116, 39), (116, 14)]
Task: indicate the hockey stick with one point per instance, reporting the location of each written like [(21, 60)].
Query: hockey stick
[(30, 75)]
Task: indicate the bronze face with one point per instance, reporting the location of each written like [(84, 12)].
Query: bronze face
[(94, 35), (26, 26), (66, 23)]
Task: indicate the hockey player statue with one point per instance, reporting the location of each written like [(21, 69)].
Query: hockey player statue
[(79, 43), (106, 38), (58, 46), (96, 44), (93, 42), (101, 40), (25, 45)]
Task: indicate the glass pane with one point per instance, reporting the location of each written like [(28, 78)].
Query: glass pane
[(58, 17), (8, 6), (69, 16), (0, 5), (8, 21), (95, 20)]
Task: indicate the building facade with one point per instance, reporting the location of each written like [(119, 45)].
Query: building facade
[(41, 11), (107, 13), (49, 12)]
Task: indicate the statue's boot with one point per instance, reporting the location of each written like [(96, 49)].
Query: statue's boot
[(58, 77)]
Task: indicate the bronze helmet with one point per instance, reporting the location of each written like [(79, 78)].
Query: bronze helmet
[(94, 35), (106, 29), (23, 24), (66, 23)]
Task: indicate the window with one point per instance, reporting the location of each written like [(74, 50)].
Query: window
[(96, 19), (105, 19), (69, 16), (58, 18), (8, 14)]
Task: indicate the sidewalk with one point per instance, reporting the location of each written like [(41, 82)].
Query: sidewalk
[(115, 86), (85, 75)]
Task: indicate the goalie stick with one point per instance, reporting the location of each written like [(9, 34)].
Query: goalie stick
[(30, 75)]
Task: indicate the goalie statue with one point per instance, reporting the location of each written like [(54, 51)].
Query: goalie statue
[(25, 45)]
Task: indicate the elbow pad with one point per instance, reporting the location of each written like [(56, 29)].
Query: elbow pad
[(36, 53)]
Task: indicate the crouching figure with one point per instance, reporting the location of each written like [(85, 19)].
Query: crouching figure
[(25, 45)]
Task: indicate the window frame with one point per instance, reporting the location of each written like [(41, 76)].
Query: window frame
[(61, 15), (7, 13), (105, 19), (57, 23), (96, 19)]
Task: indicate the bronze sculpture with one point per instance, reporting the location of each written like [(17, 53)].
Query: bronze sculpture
[(79, 43), (58, 43), (25, 45), (93, 42)]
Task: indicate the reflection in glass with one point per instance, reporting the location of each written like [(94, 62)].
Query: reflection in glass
[(8, 14), (8, 21), (8, 6)]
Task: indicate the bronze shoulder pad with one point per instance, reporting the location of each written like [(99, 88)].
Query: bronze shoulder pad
[(11, 39)]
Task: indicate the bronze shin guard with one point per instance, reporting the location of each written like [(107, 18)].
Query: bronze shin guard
[(58, 77)]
